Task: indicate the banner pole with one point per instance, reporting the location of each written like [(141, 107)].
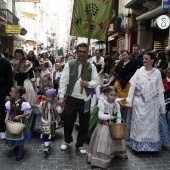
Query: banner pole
[(85, 64)]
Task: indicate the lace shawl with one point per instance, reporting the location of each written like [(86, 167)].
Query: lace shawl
[(150, 86)]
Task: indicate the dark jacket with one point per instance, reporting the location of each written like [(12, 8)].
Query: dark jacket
[(34, 61), (6, 76), (138, 60)]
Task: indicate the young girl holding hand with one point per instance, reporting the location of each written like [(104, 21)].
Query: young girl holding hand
[(102, 147), (17, 111)]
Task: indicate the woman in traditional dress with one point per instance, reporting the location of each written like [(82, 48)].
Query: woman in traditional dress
[(24, 75), (149, 128), (122, 74)]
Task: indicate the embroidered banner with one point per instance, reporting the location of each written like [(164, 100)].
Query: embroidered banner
[(91, 18)]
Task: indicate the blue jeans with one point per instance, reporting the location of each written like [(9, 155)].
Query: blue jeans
[(168, 117)]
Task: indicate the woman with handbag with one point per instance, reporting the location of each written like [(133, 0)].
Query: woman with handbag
[(17, 110), (102, 147)]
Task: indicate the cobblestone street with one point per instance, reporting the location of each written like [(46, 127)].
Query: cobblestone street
[(34, 158)]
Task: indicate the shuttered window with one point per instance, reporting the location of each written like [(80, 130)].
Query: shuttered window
[(161, 38)]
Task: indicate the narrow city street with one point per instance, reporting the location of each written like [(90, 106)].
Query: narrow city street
[(34, 158), (106, 62)]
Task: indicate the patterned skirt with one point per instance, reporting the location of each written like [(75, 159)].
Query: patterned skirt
[(20, 139), (164, 136), (102, 147)]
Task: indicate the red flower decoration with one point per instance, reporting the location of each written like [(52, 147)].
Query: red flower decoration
[(100, 25)]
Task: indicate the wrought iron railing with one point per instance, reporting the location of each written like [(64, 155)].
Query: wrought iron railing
[(10, 17), (7, 14), (2, 6)]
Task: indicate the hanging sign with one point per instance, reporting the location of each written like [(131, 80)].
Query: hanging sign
[(12, 29), (163, 22), (166, 4), (35, 1), (23, 31)]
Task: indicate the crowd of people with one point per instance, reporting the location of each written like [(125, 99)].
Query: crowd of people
[(133, 87)]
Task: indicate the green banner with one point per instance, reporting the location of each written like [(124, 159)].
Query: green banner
[(91, 18)]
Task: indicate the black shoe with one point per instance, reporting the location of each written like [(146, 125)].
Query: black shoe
[(19, 157), (15, 148), (46, 150)]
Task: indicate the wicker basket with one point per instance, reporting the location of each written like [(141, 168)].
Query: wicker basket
[(118, 130), (14, 128)]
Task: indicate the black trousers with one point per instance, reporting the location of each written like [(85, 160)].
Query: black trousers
[(2, 109), (74, 106)]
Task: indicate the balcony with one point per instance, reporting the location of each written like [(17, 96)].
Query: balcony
[(10, 17), (6, 15), (2, 13), (142, 6), (30, 10)]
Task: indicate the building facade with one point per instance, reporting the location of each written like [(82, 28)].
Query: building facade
[(148, 34), (8, 17)]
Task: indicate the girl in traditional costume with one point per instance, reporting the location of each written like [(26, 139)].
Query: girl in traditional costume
[(17, 110), (46, 84), (147, 127), (102, 147), (49, 119), (24, 75)]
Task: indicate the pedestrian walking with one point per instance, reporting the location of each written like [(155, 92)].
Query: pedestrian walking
[(49, 118), (136, 56), (38, 78), (146, 96), (6, 83), (123, 72), (102, 147), (98, 61), (24, 75), (17, 111), (32, 58), (46, 84), (71, 82)]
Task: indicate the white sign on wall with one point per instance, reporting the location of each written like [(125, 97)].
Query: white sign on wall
[(163, 22)]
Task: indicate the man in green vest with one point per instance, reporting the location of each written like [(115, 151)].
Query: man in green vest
[(71, 83)]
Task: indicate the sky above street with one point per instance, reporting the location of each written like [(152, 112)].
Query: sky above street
[(60, 7)]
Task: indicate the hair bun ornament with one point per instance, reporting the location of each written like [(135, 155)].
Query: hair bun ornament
[(51, 92)]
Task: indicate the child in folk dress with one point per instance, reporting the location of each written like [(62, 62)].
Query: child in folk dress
[(17, 110), (56, 75), (49, 119), (46, 84), (102, 147), (45, 70), (38, 79)]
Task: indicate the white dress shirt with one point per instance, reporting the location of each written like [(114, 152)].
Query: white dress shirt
[(64, 81)]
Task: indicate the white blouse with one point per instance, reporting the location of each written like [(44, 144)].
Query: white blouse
[(25, 107), (109, 108)]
